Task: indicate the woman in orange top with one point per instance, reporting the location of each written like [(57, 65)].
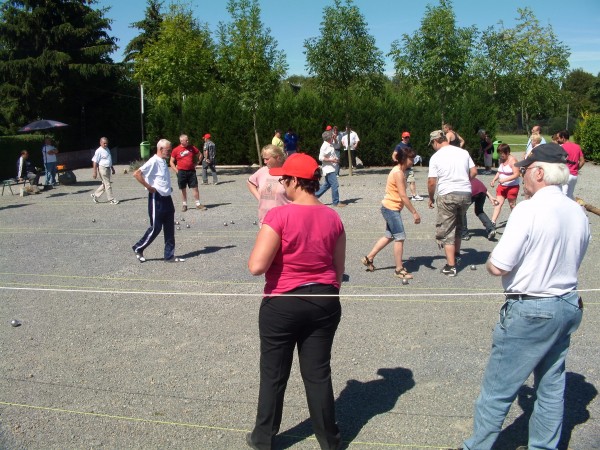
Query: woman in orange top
[(395, 199)]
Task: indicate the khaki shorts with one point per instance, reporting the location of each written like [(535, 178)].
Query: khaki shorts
[(410, 176), (451, 208)]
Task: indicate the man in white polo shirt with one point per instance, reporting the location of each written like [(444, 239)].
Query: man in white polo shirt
[(155, 177), (102, 162), (538, 258)]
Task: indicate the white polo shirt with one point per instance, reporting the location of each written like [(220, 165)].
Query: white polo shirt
[(156, 173), (102, 157), (543, 245)]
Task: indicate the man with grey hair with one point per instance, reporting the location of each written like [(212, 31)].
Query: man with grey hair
[(450, 169), (536, 129), (538, 258), (102, 163), (155, 177)]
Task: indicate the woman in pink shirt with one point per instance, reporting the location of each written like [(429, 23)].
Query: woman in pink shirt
[(301, 249)]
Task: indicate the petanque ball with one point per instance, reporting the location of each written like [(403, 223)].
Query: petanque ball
[(15, 323), (179, 228), (404, 281), (224, 224), (93, 220), (232, 222), (187, 225), (473, 267)]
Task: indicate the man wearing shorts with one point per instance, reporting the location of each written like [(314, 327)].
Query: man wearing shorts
[(183, 161), (450, 169)]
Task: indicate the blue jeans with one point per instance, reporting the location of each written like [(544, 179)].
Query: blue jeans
[(394, 227), (531, 336), (330, 182), (50, 173)]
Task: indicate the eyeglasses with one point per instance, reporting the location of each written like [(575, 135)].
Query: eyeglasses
[(524, 170), (284, 180)]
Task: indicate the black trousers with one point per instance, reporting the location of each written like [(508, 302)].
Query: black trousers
[(310, 324), (161, 212)]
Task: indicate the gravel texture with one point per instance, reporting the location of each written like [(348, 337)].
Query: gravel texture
[(113, 353)]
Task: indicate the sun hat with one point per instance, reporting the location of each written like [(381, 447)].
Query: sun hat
[(298, 165)]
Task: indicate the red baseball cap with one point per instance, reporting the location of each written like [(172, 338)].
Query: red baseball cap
[(206, 136), (298, 165), (328, 128), (405, 134)]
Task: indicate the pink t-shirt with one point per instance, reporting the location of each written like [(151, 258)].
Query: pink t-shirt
[(309, 234), (272, 193), (477, 187), (573, 154)]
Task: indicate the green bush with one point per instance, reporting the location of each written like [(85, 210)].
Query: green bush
[(587, 135)]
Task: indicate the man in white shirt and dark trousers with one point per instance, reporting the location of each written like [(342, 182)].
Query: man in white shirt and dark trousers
[(538, 258), (102, 162), (155, 177)]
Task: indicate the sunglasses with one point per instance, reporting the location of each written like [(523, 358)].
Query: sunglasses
[(523, 170)]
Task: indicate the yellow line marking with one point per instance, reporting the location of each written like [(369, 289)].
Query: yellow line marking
[(196, 425)]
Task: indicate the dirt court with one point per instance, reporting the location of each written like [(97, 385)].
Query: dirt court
[(112, 353)]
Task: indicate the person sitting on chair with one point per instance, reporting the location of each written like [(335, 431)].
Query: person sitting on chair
[(26, 170)]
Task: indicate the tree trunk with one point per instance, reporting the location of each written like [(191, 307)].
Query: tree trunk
[(260, 161)]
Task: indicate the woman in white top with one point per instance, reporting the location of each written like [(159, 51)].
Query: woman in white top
[(508, 176)]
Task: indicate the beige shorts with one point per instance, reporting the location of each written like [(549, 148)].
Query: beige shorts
[(451, 209), (410, 176)]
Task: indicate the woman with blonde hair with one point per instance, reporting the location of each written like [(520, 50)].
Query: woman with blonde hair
[(265, 187)]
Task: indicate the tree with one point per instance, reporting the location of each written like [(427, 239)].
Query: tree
[(54, 59), (344, 57), (437, 56), (525, 66), (180, 61), (578, 87), (150, 28), (248, 60)]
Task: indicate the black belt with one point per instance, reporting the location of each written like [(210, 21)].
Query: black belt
[(521, 297)]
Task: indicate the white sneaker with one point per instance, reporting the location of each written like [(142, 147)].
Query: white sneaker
[(114, 201), (417, 198), (94, 198)]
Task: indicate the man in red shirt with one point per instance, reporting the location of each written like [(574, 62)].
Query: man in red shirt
[(183, 161), (576, 161)]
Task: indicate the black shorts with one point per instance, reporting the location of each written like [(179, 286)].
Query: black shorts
[(187, 178)]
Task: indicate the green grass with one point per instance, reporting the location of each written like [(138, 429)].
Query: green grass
[(518, 140)]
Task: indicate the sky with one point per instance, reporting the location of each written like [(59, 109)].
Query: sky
[(576, 23)]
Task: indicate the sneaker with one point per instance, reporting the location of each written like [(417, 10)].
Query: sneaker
[(139, 256), (114, 201), (184, 208), (487, 172), (205, 183), (449, 270), (465, 237), (94, 198), (175, 260), (340, 205), (201, 207), (417, 198), (491, 234)]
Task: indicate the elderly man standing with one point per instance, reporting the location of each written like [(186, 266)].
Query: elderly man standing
[(155, 177), (210, 154), (450, 169), (536, 129), (102, 162), (538, 259), (183, 162)]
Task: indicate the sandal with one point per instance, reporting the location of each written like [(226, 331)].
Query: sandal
[(369, 263), (403, 273)]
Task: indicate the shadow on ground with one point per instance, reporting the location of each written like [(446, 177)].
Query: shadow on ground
[(356, 405), (578, 395)]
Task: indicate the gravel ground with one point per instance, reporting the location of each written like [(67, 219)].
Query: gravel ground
[(112, 353)]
